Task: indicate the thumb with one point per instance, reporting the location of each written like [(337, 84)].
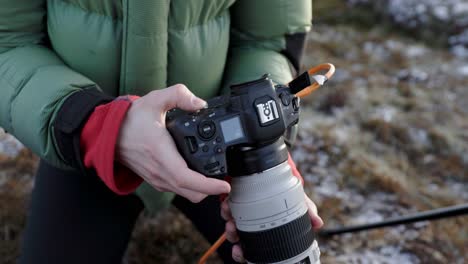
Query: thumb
[(181, 97)]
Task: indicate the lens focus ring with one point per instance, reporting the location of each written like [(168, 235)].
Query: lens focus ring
[(278, 244)]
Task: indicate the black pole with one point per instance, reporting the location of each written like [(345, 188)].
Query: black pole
[(422, 216)]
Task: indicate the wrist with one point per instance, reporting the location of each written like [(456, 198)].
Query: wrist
[(122, 145), (99, 144)]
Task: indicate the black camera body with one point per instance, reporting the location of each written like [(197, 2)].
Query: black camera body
[(253, 115)]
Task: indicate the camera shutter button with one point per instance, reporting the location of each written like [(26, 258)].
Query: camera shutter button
[(206, 129)]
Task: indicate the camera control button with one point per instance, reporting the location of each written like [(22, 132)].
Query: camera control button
[(205, 148), (206, 129), (295, 103), (218, 150), (191, 144), (285, 99), (211, 166)]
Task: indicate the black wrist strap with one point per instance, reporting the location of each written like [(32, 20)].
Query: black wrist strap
[(70, 120), (294, 51)]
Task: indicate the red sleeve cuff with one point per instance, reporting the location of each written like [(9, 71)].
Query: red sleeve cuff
[(97, 143)]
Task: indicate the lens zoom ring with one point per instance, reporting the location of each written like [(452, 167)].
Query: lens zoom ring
[(278, 244)]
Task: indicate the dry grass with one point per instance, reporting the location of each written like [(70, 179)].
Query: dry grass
[(14, 196), (369, 174), (168, 238)]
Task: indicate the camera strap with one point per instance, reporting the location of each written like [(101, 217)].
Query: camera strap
[(310, 81)]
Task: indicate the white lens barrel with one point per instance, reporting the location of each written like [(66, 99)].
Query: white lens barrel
[(270, 211), (268, 199)]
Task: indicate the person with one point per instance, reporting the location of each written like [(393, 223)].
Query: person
[(83, 85)]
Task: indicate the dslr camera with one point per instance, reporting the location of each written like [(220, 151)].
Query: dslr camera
[(242, 135)]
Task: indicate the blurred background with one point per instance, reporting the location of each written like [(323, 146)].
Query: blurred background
[(388, 136)]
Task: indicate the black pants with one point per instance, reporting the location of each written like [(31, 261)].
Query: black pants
[(75, 218)]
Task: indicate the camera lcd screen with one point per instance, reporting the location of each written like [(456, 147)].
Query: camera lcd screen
[(232, 129)]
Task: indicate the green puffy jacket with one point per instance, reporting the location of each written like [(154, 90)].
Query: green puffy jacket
[(53, 50)]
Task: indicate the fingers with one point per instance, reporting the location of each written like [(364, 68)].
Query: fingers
[(169, 167), (178, 96), (189, 179), (180, 182), (237, 254), (317, 222), (231, 232), (194, 197), (195, 190), (226, 211)]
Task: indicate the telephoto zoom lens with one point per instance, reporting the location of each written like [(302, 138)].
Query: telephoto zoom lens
[(271, 218)]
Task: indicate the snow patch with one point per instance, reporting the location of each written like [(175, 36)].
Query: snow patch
[(9, 145)]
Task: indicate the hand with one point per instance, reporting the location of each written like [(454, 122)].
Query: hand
[(231, 233), (146, 147)]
